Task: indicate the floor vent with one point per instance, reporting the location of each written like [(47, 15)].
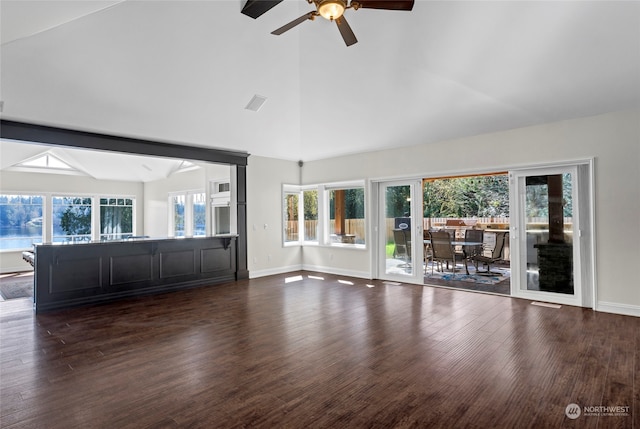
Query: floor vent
[(546, 304)]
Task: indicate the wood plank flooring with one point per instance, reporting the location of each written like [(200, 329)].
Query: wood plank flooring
[(317, 353)]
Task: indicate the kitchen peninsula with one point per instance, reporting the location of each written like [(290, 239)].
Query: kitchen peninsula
[(68, 275)]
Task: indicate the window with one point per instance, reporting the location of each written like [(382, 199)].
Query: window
[(177, 204), (290, 210), (346, 216), (188, 214), (310, 213), (324, 215), (20, 221), (46, 161), (116, 218), (71, 219), (199, 214)]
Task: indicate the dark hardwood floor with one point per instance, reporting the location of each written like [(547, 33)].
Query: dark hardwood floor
[(317, 353)]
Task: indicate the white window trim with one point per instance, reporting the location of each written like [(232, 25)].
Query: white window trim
[(323, 213), (290, 190), (188, 212)]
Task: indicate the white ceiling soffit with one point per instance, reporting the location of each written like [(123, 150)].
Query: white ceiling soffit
[(182, 71), (100, 165)]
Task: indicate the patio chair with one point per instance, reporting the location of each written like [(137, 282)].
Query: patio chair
[(442, 250), (402, 246), (496, 255), (470, 252)]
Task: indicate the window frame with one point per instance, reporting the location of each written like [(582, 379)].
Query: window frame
[(43, 210), (188, 215), (290, 190), (323, 221), (48, 216), (98, 218), (93, 218)]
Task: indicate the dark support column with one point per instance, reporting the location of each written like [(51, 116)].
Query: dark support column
[(556, 210), (242, 271), (339, 212)]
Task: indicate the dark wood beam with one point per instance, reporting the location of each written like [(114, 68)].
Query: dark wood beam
[(83, 139)]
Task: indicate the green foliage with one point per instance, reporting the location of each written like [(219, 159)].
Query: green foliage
[(310, 204), (76, 220), (537, 197), (353, 201), (479, 196), (291, 206), (115, 218), (397, 201)]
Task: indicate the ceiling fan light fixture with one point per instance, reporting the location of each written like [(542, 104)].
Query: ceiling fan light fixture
[(331, 9)]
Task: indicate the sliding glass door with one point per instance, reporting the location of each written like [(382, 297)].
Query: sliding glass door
[(400, 231), (546, 233)]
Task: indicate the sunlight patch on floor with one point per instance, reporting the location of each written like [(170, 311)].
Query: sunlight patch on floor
[(293, 279), (546, 304)]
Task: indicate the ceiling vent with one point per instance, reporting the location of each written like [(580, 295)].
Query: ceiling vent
[(256, 103)]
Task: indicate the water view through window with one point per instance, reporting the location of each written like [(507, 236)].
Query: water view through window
[(20, 221)]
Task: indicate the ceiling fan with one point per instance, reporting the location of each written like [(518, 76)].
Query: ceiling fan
[(332, 10)]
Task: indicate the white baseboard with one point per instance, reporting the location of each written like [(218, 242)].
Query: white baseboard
[(273, 271), (337, 271), (614, 307), (292, 268)]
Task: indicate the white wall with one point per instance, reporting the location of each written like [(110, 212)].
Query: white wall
[(156, 198), (266, 253), (612, 139), (41, 183)]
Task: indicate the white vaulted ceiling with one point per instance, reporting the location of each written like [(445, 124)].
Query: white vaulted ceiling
[(183, 71)]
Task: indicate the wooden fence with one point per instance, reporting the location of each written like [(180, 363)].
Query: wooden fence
[(357, 226)]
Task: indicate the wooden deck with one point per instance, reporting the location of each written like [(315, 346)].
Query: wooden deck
[(316, 353)]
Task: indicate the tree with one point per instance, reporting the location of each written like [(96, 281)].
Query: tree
[(76, 218), (397, 201), (478, 196), (310, 198)]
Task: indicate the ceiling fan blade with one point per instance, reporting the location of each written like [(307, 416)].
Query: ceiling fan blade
[(346, 31), (255, 8), (386, 4), (295, 22)]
